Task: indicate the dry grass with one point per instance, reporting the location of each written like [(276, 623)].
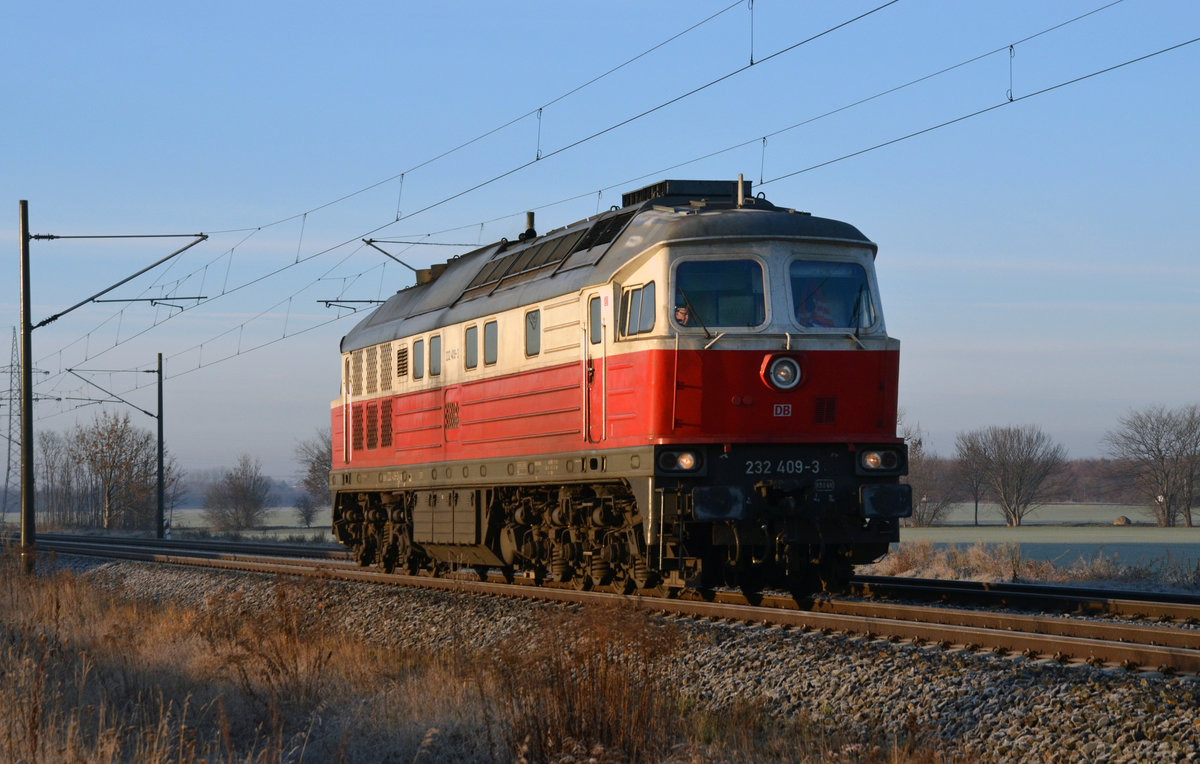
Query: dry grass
[(1003, 562), (88, 677)]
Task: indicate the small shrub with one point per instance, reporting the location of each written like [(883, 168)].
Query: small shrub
[(596, 679)]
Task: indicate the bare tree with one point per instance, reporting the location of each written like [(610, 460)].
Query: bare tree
[(968, 448), (1015, 463), (118, 466), (932, 489), (57, 491), (315, 456), (1158, 451), (240, 498)]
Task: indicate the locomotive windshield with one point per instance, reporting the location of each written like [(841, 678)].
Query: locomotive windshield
[(831, 295), (715, 293)]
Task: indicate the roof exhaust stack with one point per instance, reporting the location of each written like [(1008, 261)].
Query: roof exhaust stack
[(529, 232), (741, 194)]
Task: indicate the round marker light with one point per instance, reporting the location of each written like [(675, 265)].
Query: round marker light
[(784, 373), (880, 460), (687, 461)]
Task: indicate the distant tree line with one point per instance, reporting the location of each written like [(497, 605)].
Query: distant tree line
[(102, 475), (105, 475), (1153, 461)]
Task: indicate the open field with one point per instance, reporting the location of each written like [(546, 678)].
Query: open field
[(281, 524), (1066, 533)]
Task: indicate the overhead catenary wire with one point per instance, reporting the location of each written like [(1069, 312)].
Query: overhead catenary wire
[(610, 128), (717, 152), (710, 154), (1006, 102), (487, 133)]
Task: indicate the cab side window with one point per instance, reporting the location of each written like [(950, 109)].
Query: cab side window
[(637, 310)]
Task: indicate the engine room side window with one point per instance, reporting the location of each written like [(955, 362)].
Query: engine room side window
[(831, 295), (637, 310), (713, 293), (533, 332), (435, 355), (471, 347), (491, 343), (418, 359)]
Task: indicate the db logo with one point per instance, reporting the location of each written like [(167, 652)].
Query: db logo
[(783, 409)]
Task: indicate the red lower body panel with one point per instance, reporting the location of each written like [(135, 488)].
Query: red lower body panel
[(635, 399)]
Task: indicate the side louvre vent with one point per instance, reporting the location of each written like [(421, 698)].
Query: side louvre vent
[(451, 415), (372, 426), (402, 362), (356, 428), (385, 367), (372, 370), (825, 410), (385, 423), (356, 373)]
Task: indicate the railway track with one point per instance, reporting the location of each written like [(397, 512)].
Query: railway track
[(1171, 644)]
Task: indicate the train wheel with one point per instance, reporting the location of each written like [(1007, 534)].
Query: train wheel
[(390, 557), (365, 553), (622, 582), (835, 573), (482, 571), (750, 581), (802, 584)]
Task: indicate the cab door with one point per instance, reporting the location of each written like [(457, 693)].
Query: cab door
[(596, 308)]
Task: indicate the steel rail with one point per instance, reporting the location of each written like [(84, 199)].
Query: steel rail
[(1118, 602), (1159, 647)]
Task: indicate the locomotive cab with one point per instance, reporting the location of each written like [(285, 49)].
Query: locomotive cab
[(776, 451)]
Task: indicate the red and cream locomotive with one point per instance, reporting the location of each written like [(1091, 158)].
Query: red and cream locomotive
[(694, 390)]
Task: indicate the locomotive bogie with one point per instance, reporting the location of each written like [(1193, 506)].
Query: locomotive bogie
[(688, 393)]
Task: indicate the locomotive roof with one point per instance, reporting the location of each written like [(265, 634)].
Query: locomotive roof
[(506, 275)]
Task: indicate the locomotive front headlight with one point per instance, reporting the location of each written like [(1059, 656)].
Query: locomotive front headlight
[(880, 460), (679, 461), (784, 373)]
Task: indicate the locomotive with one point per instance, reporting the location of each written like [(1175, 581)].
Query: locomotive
[(694, 390)]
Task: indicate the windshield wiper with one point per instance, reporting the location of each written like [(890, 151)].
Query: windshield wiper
[(692, 312), (855, 315)]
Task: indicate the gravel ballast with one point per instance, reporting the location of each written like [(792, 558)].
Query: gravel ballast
[(973, 705)]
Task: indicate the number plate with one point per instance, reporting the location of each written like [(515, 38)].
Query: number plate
[(783, 467)]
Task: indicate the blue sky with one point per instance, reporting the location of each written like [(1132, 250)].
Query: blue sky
[(1039, 261)]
